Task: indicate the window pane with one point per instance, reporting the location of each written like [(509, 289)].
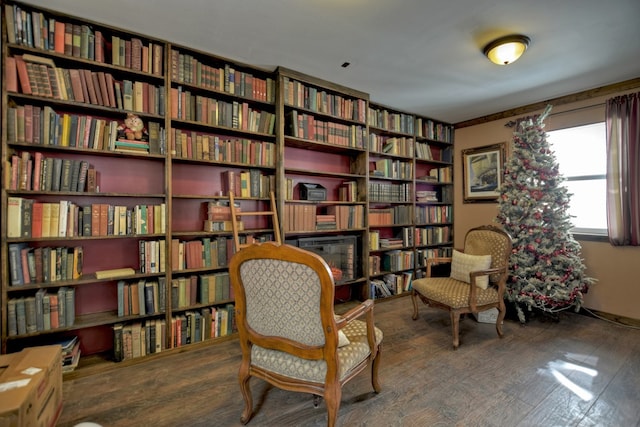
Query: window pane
[(580, 150), (588, 204)]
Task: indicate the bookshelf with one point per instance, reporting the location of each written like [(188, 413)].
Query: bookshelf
[(133, 236), (434, 191), (390, 198), (322, 191), (222, 139)]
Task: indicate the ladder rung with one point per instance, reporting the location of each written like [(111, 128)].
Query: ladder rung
[(259, 213)]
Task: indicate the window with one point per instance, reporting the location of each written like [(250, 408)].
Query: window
[(581, 155)]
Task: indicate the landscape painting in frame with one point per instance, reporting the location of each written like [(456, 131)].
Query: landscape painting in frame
[(482, 172)]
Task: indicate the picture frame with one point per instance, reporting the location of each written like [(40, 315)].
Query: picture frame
[(482, 172)]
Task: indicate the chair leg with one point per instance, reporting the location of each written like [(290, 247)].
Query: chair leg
[(502, 311), (455, 326), (245, 389), (414, 300), (375, 363), (332, 396)]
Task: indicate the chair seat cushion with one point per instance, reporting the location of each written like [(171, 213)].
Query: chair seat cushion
[(315, 370), (451, 292)]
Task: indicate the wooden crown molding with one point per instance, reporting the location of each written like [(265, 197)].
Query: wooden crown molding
[(567, 99)]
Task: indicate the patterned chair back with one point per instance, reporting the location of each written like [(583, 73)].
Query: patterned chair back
[(489, 240)]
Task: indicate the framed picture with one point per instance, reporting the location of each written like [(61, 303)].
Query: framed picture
[(482, 172)]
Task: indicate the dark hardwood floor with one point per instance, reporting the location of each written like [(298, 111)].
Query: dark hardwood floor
[(580, 371)]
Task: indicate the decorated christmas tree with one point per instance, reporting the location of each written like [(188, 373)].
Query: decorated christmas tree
[(546, 268)]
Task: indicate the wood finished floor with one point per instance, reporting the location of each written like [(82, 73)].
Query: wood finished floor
[(581, 371)]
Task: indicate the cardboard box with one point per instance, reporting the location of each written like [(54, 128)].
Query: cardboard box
[(487, 316), (31, 387)]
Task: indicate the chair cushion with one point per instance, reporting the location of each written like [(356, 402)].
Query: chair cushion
[(452, 292), (315, 370), (462, 264)]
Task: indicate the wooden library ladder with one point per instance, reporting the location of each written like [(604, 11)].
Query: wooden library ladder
[(235, 214)]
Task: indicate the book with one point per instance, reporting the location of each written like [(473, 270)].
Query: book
[(116, 272)]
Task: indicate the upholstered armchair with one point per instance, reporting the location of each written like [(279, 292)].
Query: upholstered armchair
[(289, 334), (477, 281)]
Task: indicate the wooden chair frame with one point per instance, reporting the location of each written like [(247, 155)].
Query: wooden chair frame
[(331, 388), (499, 271)]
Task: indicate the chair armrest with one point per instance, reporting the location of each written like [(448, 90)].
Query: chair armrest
[(354, 313), (473, 299)]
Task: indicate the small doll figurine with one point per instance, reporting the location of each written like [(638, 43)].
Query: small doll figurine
[(133, 128)]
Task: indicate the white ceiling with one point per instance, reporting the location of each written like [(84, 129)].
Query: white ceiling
[(422, 56)]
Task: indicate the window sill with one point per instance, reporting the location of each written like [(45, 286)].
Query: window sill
[(591, 237)]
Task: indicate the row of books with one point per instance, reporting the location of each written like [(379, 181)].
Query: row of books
[(442, 174), (424, 254), (391, 284), (397, 146), (304, 217), (32, 124), (436, 131), (29, 265), (433, 235), (404, 238), (434, 214), (423, 151), (391, 168), (185, 68), (28, 218), (300, 95), (396, 260), (141, 297), (41, 312), (41, 77), (389, 192), (235, 115), (395, 215), (249, 183), (390, 121), (205, 253), (200, 289), (33, 171), (40, 31), (199, 325), (138, 339), (201, 146), (302, 125), (152, 254)]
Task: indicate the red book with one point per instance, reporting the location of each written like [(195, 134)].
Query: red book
[(25, 265), (104, 219), (99, 46), (37, 170), (68, 38), (88, 80), (59, 36), (76, 85), (11, 74), (53, 307), (36, 220), (23, 75)]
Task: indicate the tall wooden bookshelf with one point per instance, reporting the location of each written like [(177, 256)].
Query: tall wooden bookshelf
[(322, 191), (433, 217), (157, 210), (390, 197)]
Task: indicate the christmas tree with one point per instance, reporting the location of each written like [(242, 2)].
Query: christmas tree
[(546, 269)]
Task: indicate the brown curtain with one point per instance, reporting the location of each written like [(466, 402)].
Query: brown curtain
[(623, 169)]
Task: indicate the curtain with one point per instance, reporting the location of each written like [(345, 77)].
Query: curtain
[(623, 169)]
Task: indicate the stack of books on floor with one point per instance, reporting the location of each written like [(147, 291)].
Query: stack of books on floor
[(70, 353)]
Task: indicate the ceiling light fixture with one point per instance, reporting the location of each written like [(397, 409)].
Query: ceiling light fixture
[(507, 49)]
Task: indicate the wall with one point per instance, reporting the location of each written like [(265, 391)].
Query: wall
[(616, 268)]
